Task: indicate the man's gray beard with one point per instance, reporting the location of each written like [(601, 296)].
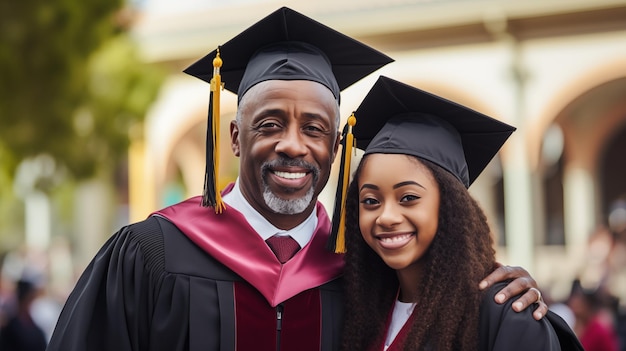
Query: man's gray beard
[(287, 207), (282, 206)]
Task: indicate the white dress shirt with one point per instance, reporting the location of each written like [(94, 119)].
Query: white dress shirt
[(302, 233)]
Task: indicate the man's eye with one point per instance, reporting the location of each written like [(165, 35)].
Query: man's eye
[(269, 125), (313, 129)]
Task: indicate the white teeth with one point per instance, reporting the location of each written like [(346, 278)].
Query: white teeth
[(288, 175), (395, 238)]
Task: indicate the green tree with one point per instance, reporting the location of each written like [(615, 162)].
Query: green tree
[(57, 96), (71, 87)]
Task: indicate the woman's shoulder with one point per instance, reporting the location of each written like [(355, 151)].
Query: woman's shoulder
[(502, 328)]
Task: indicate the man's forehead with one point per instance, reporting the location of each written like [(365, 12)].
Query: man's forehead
[(304, 98)]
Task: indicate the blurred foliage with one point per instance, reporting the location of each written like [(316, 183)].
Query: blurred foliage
[(73, 89), (10, 227), (120, 91), (71, 85)]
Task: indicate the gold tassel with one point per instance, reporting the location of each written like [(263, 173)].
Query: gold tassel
[(216, 87), (341, 235), (337, 240), (211, 196)]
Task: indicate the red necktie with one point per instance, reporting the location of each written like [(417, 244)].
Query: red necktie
[(284, 247)]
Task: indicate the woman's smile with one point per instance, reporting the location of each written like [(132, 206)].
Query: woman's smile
[(394, 241)]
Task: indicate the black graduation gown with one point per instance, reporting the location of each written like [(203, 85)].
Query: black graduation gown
[(200, 281), (503, 329)]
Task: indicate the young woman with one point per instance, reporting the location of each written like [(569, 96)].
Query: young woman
[(417, 243)]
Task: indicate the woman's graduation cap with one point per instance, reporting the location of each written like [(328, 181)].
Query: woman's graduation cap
[(396, 118), (285, 45)]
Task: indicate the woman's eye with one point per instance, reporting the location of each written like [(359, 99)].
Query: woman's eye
[(407, 198), (369, 201)]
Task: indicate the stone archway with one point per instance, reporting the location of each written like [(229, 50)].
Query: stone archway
[(592, 125)]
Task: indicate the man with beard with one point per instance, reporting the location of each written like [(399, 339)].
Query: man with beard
[(202, 274)]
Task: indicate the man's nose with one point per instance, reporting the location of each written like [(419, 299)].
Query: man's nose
[(292, 143)]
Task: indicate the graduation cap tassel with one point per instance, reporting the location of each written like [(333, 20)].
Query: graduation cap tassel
[(211, 196), (337, 240)]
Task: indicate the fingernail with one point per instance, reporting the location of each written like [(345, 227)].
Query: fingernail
[(517, 306), (482, 285), (500, 298), (538, 315)]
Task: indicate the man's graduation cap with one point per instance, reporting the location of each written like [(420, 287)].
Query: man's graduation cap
[(285, 45), (395, 118)]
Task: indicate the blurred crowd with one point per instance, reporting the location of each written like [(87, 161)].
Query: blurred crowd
[(596, 305), (28, 309)]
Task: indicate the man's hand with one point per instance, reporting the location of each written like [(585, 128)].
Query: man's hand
[(521, 282)]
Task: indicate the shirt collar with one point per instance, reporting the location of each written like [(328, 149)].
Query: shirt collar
[(301, 233)]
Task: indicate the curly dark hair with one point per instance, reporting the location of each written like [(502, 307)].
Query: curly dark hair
[(460, 255)]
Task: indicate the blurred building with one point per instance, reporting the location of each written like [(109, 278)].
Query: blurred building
[(556, 69)]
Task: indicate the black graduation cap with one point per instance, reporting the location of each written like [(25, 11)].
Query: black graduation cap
[(396, 118), (285, 45)]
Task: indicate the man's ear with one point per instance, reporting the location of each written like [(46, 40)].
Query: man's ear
[(234, 137)]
